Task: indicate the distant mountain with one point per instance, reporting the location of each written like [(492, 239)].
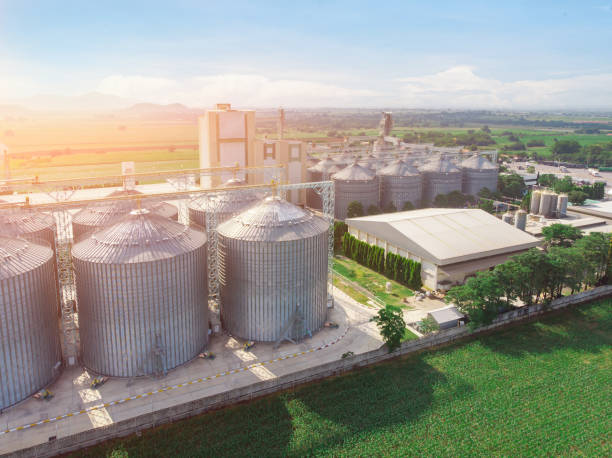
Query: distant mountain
[(153, 111), (90, 102)]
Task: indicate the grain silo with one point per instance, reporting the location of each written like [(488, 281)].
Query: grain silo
[(318, 172), (520, 219), (440, 176), (562, 205), (355, 183), (30, 355), (273, 271), (400, 183), (370, 162), (534, 205), (101, 215), (478, 173), (223, 205), (143, 295)]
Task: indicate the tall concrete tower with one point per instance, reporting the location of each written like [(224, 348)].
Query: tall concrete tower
[(227, 139)]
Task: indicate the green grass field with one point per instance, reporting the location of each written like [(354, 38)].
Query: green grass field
[(537, 389), (373, 282)]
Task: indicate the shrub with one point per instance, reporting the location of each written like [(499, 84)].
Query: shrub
[(392, 326)]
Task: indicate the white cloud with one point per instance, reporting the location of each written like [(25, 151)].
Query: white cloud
[(461, 87), (139, 87)]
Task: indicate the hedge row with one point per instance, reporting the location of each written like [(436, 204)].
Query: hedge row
[(393, 266)]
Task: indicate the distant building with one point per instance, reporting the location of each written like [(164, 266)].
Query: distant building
[(451, 244), (227, 139), (447, 317)]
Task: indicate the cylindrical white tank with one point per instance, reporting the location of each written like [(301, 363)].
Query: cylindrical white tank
[(562, 205), (520, 220), (507, 217), (534, 207), (554, 197), (545, 200)]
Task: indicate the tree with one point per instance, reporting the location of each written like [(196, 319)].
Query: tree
[(428, 325), (566, 147), (577, 197), (440, 201), (373, 210), (486, 193), (455, 199), (562, 235), (407, 206), (512, 185), (594, 248), (526, 202), (531, 277), (547, 180), (479, 298), (340, 228), (565, 184), (354, 209), (392, 326), (486, 205), (486, 129), (389, 208)]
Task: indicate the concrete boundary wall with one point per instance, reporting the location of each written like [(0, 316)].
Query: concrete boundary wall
[(189, 409)]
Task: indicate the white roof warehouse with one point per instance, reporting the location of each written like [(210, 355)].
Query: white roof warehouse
[(450, 243)]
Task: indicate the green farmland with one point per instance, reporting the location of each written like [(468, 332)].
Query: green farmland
[(537, 389)]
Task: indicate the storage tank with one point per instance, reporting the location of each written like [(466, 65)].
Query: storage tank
[(371, 162), (440, 176), (101, 215), (354, 183), (554, 198), (272, 259), (224, 205), (316, 173), (520, 220), (478, 173), (562, 205), (508, 217), (143, 295), (545, 200), (534, 206), (400, 183), (30, 353)]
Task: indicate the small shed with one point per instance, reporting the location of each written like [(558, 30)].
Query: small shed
[(447, 317)]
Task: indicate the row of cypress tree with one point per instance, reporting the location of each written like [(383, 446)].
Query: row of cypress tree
[(393, 266)]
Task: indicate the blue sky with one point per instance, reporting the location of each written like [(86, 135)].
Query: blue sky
[(535, 54)]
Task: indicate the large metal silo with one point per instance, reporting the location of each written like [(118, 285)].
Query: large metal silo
[(143, 295), (400, 183), (273, 271), (318, 172), (355, 183), (440, 176), (101, 215), (478, 173), (30, 353)]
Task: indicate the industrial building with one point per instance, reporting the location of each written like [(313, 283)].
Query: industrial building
[(273, 272), (451, 244)]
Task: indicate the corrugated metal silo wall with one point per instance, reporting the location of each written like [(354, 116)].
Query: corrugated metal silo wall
[(313, 200), (435, 183), (261, 284), (127, 310), (346, 192), (399, 190), (475, 180), (29, 333)]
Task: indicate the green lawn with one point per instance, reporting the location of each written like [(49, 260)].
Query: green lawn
[(372, 281), (537, 389)]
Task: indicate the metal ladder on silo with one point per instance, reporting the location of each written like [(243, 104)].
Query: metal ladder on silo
[(296, 321)]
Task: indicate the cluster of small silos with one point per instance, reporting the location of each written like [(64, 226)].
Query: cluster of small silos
[(399, 182), (548, 204)]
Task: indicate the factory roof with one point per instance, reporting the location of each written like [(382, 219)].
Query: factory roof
[(446, 235), (446, 315)]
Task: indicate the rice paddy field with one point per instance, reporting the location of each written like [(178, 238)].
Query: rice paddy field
[(536, 389)]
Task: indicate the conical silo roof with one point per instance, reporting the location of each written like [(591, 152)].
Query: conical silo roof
[(141, 236), (273, 220), (440, 164), (398, 168), (322, 165), (18, 256), (355, 172), (23, 221), (478, 162)]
